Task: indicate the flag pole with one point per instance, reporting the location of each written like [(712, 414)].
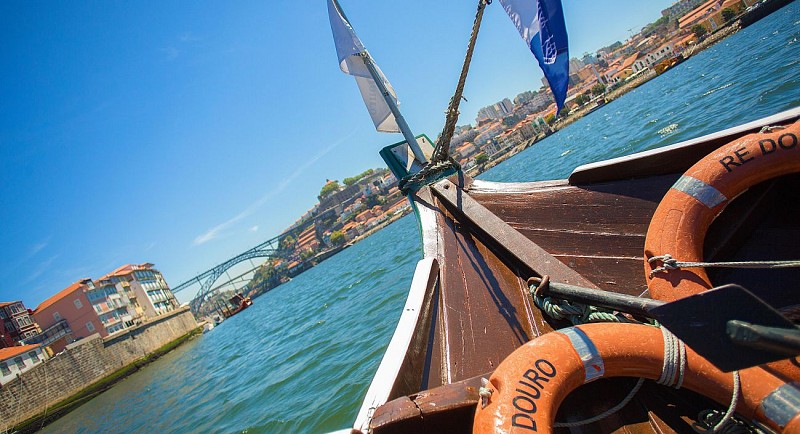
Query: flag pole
[(387, 96)]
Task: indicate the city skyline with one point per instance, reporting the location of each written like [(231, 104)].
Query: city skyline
[(184, 137)]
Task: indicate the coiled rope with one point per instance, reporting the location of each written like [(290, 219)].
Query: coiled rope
[(672, 370), (441, 162)]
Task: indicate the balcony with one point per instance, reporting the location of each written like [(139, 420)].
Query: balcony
[(50, 334)]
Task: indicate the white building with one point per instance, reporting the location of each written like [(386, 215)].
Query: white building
[(148, 286), (16, 360), (115, 309)]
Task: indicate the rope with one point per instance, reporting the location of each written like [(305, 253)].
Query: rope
[(577, 313), (672, 370), (726, 424), (485, 392), (670, 263), (674, 366), (442, 150), (606, 413), (441, 163)]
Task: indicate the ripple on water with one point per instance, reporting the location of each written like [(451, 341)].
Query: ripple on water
[(288, 365)]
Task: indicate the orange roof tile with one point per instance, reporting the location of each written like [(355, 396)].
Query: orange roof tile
[(7, 353), (6, 303), (629, 61), (696, 13), (63, 293)]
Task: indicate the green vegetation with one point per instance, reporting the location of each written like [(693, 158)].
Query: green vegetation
[(337, 238), (306, 254), (287, 242), (582, 98), (481, 158), (329, 188), (661, 26), (728, 14), (699, 30), (352, 180), (598, 89)]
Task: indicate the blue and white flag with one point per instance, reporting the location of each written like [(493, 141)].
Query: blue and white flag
[(541, 25), (349, 49)]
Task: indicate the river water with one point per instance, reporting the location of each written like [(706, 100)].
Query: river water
[(301, 358)]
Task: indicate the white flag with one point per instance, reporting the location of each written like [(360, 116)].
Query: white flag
[(349, 49)]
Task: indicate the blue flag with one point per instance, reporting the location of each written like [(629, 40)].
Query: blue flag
[(541, 25)]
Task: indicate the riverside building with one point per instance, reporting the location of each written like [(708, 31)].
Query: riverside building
[(16, 360), (16, 322), (147, 287)]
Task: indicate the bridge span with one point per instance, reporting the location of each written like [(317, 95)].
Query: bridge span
[(272, 248)]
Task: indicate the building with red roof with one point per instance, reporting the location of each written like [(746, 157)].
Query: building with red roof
[(16, 360), (70, 312), (17, 323)]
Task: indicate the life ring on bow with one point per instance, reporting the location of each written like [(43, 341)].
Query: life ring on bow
[(681, 220), (526, 389)]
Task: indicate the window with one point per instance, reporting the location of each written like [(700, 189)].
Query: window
[(34, 357), (78, 303), (20, 363), (24, 321), (56, 316), (4, 369), (90, 326)]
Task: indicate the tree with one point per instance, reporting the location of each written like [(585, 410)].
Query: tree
[(329, 188), (582, 99), (728, 14), (337, 238), (550, 118), (481, 158), (699, 30), (306, 254), (352, 180), (598, 89), (287, 242)]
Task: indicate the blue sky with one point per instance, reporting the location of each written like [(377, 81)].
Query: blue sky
[(183, 133)]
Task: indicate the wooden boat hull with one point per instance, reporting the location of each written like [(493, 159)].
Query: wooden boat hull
[(469, 306)]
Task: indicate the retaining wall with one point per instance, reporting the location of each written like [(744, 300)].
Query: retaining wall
[(85, 362)]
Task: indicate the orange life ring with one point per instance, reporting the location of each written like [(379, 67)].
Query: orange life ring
[(681, 220), (530, 384)]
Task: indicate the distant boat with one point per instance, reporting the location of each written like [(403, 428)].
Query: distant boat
[(208, 327), (240, 303)]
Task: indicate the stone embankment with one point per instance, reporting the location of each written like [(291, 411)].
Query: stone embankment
[(86, 368)]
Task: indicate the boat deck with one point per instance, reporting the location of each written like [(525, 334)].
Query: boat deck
[(489, 238)]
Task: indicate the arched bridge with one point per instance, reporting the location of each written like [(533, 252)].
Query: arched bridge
[(268, 249)]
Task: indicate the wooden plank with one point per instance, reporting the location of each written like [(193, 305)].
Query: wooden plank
[(499, 234), (485, 306), (446, 409), (403, 346)]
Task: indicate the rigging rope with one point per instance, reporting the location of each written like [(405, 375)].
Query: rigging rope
[(442, 150), (441, 162), (670, 263)]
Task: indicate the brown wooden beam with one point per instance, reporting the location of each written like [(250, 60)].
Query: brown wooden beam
[(499, 235)]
